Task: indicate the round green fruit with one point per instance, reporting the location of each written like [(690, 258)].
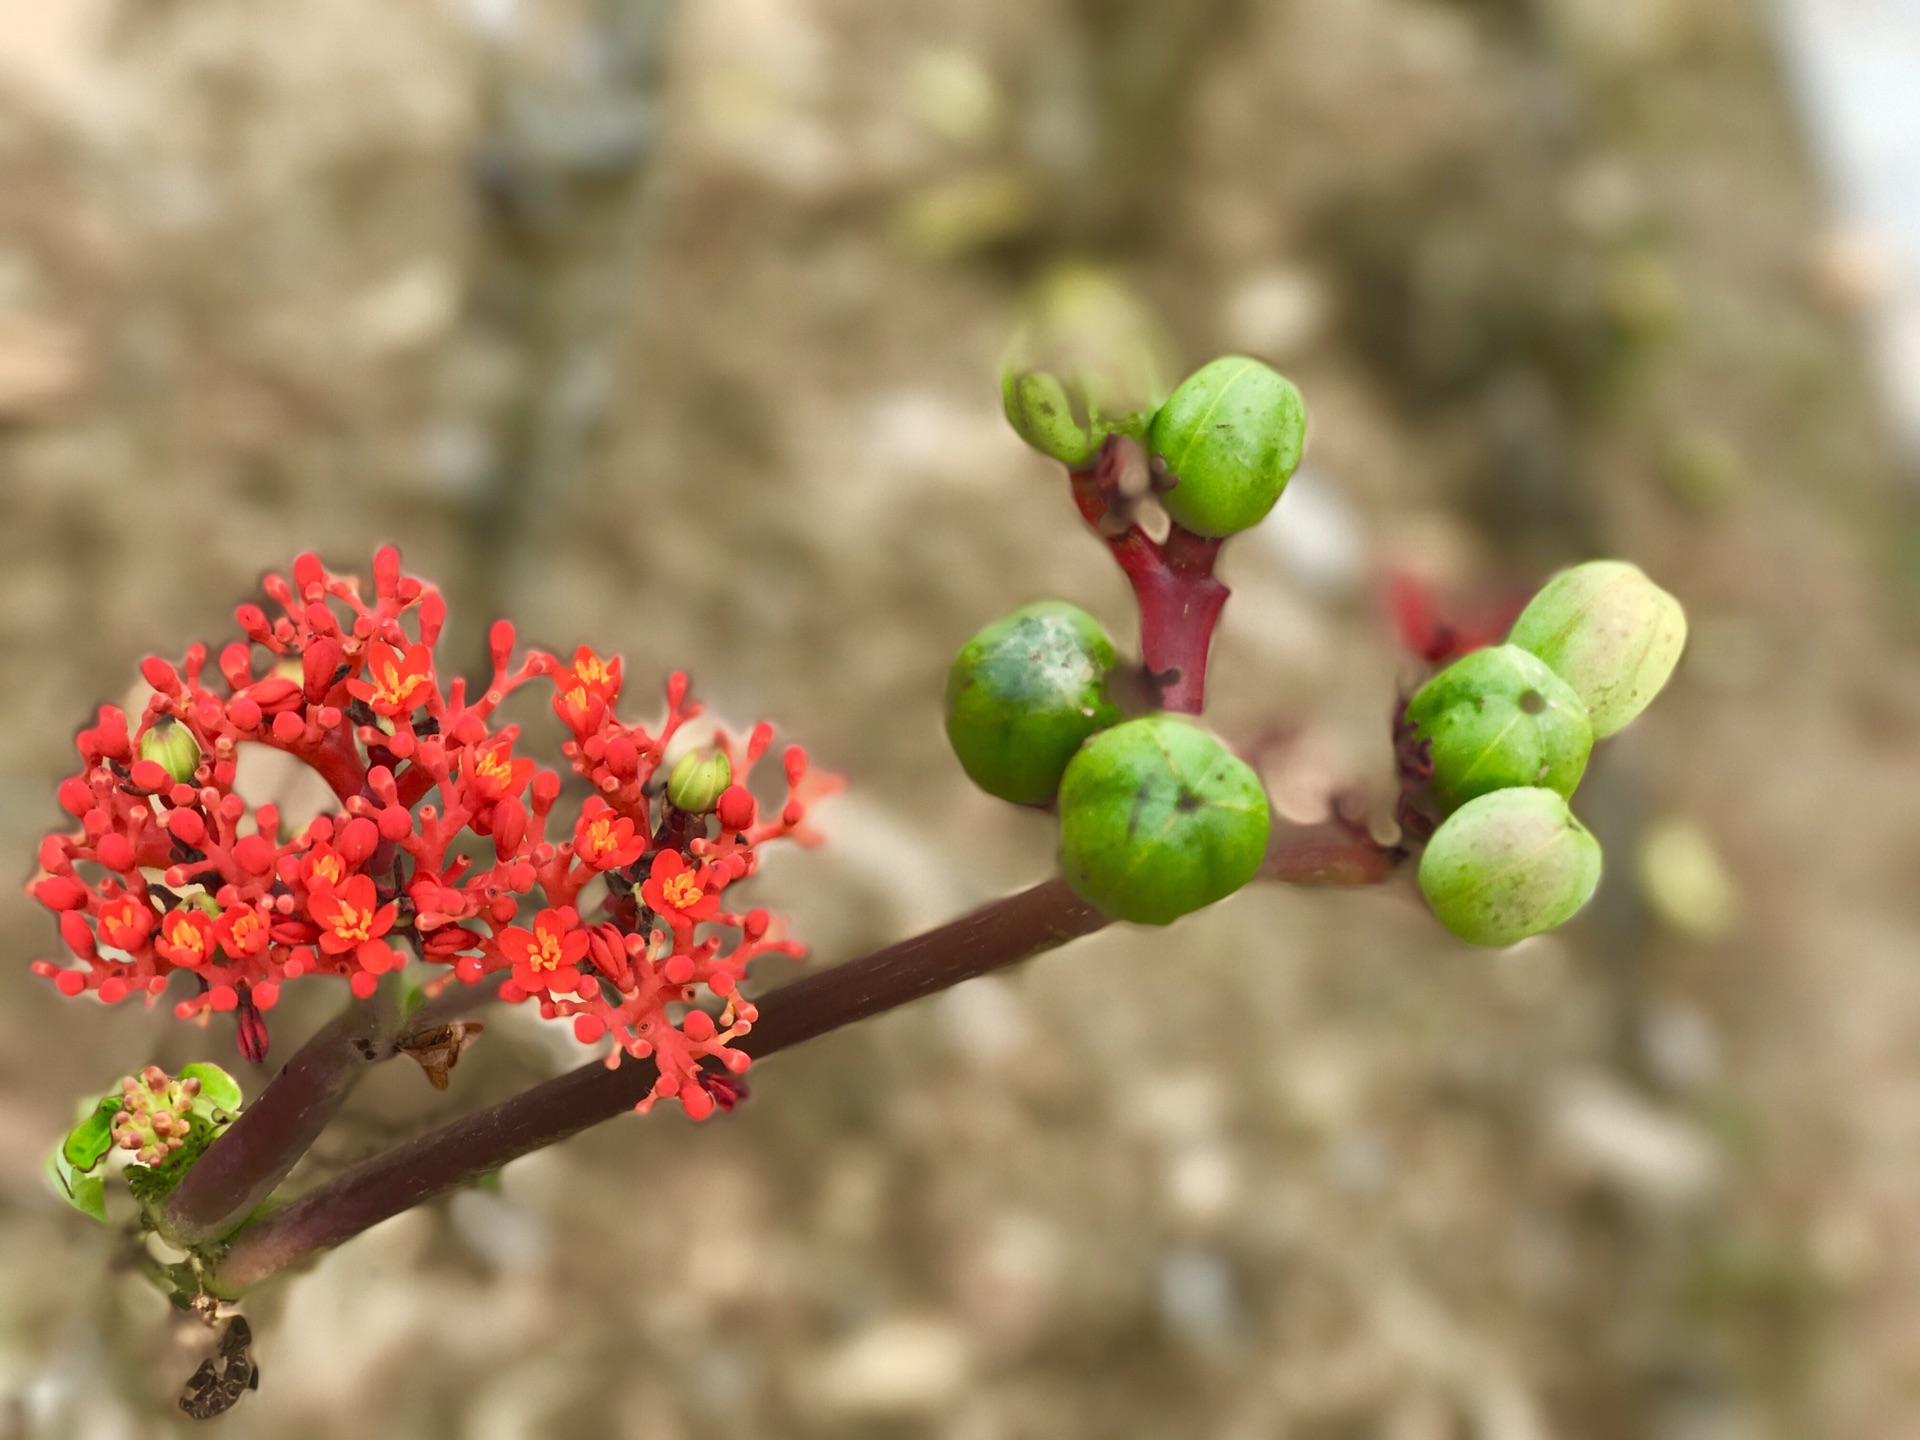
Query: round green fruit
[(1498, 718), (1084, 366), (1158, 819), (1231, 437), (1509, 865), (1023, 694), (1610, 633)]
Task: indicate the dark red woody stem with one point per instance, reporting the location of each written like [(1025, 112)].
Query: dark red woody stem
[(1173, 580), (990, 938), (260, 1149)]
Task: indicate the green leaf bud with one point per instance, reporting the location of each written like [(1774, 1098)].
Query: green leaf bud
[(1023, 694), (218, 1089), (87, 1143), (1084, 365), (697, 781), (1509, 865), (1498, 718), (1610, 633), (1158, 818), (1231, 435), (171, 746)]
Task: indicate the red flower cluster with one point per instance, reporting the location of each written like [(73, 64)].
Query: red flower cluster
[(441, 845)]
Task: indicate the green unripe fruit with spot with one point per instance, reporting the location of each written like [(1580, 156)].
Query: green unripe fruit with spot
[(1498, 718), (1231, 435), (697, 780), (1610, 633), (1158, 819), (1084, 366), (171, 746), (1023, 694), (1509, 865)]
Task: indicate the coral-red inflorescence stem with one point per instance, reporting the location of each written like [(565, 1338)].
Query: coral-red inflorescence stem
[(1179, 596)]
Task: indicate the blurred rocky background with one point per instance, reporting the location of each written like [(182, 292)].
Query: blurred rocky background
[(674, 329)]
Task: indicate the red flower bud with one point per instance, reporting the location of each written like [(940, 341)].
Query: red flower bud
[(736, 808)]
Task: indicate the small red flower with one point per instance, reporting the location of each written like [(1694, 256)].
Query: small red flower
[(584, 691), (494, 774), (186, 937), (322, 869), (393, 682), (242, 931), (605, 839), (352, 920), (674, 891), (547, 957), (125, 923)]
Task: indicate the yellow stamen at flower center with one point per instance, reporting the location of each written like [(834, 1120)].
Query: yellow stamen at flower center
[(681, 891), (329, 869), (594, 671), (546, 953), (350, 923), (393, 688)]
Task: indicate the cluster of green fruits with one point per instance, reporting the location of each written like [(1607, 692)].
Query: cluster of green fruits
[(1508, 730), (1158, 818)]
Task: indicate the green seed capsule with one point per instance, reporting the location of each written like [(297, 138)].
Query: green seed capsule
[(697, 780), (1231, 435), (1498, 718), (1085, 365), (171, 746), (1610, 633), (1509, 865), (1157, 819), (1023, 694)]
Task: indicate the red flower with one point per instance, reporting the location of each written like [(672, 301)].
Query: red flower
[(674, 891), (586, 690), (186, 937), (322, 869), (242, 931), (494, 774), (392, 682), (125, 923), (604, 838), (352, 920), (547, 957)]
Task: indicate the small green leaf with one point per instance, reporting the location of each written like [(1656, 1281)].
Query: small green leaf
[(86, 1193), (88, 1142), (217, 1087)]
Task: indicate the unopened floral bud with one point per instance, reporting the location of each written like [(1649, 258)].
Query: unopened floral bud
[(698, 781), (1610, 633), (1509, 865), (1497, 718), (172, 748), (736, 808), (1022, 696), (1158, 818), (1084, 366), (153, 1117), (1230, 437)]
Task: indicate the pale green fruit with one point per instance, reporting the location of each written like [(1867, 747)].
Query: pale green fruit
[(1610, 633), (1084, 365), (1509, 865)]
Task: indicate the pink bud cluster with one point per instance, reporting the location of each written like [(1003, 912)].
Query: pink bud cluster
[(447, 847), (153, 1120)]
